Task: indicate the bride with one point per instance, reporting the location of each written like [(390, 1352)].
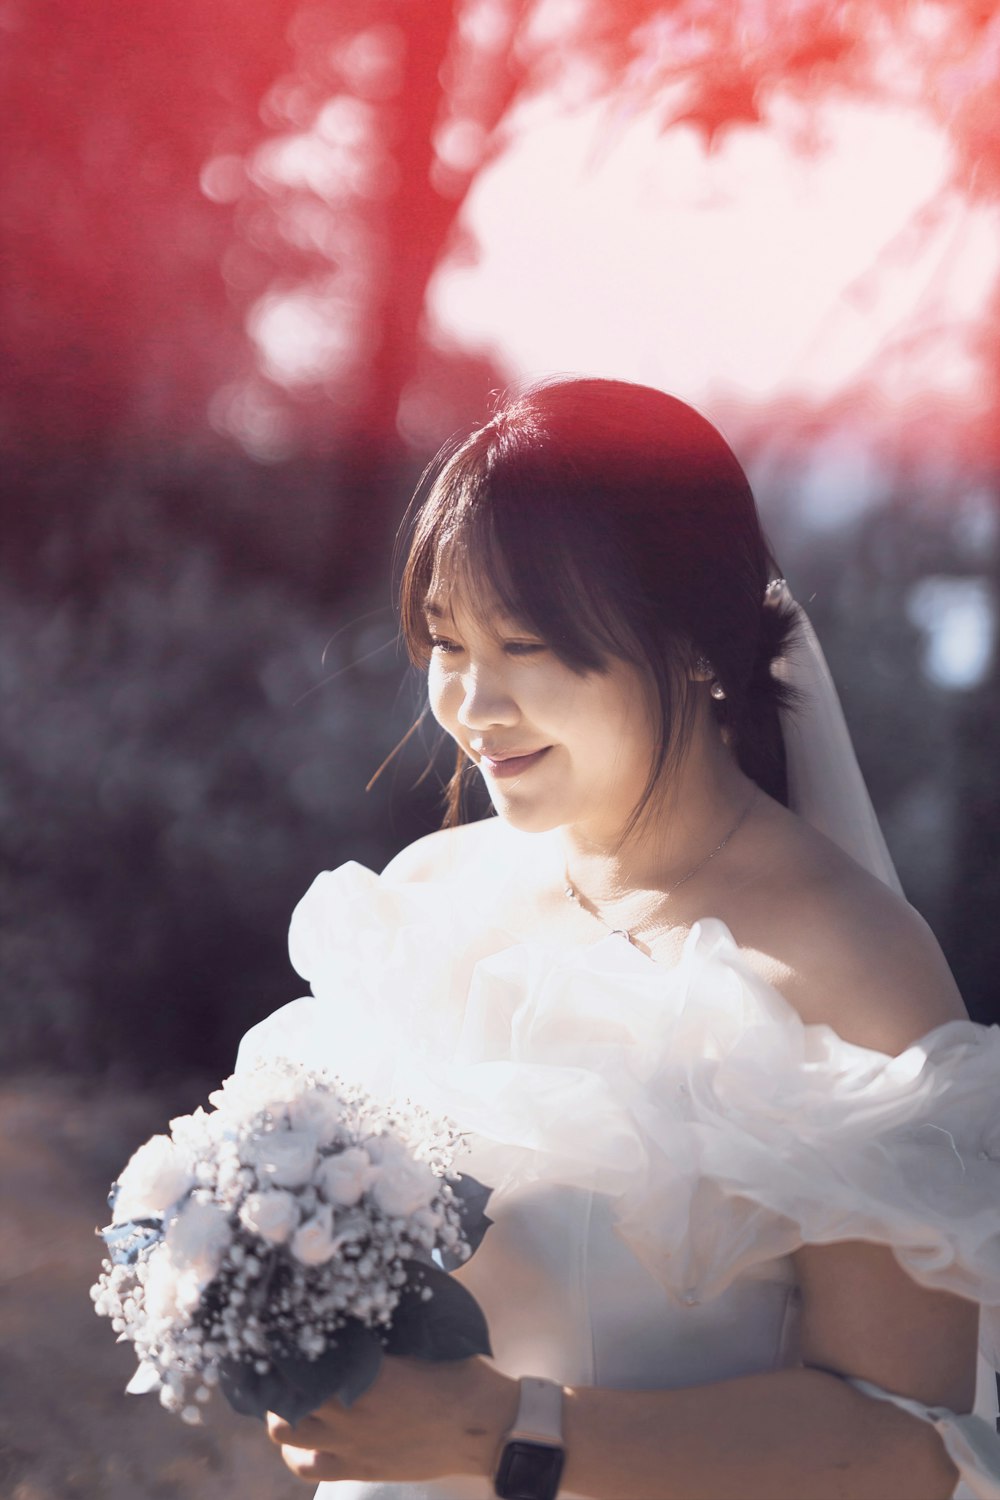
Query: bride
[(744, 1142)]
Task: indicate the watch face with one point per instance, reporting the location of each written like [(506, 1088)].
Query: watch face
[(529, 1471)]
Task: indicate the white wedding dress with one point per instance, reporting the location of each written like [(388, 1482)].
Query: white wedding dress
[(658, 1139)]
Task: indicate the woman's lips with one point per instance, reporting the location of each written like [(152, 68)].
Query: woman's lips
[(512, 765)]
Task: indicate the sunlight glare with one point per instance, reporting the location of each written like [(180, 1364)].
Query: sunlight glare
[(759, 271)]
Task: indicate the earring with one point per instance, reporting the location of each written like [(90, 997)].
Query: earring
[(706, 672)]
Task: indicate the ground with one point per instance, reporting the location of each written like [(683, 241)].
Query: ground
[(67, 1431)]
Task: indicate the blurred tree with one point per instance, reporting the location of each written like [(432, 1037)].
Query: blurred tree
[(342, 214), (378, 118), (383, 122), (219, 223), (112, 324)]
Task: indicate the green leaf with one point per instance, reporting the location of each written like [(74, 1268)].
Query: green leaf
[(249, 1393), (448, 1325), (295, 1386), (471, 1200)]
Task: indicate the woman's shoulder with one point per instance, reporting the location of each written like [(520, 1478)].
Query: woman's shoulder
[(447, 854), (851, 952)]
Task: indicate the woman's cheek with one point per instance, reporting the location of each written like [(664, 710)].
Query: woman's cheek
[(444, 695)]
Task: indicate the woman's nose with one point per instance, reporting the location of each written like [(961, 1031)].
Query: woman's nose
[(486, 701)]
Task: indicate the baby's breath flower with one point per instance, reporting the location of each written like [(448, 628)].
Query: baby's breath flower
[(291, 1207)]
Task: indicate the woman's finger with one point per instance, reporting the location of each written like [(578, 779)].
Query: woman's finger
[(307, 1463), (309, 1433)]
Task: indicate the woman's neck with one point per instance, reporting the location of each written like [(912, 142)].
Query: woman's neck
[(705, 797)]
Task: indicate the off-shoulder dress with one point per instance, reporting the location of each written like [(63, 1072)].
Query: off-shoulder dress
[(659, 1140)]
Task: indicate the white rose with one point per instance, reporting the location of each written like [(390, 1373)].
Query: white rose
[(402, 1186), (162, 1288), (343, 1178), (313, 1242), (284, 1157), (352, 1226), (317, 1111), (272, 1214), (156, 1178), (194, 1133), (197, 1241), (172, 1293)]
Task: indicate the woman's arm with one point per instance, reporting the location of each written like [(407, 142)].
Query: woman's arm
[(796, 1434), (792, 1435)]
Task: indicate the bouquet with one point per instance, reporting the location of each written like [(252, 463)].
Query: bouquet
[(278, 1245)]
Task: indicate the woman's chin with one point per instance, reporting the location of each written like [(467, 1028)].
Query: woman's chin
[(526, 817)]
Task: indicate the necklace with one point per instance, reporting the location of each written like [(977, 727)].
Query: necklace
[(629, 933)]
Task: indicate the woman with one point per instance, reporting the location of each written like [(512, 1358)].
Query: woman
[(743, 1214)]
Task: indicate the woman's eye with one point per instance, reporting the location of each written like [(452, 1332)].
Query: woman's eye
[(440, 644), (524, 648)]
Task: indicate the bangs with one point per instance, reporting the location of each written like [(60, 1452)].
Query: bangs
[(501, 532)]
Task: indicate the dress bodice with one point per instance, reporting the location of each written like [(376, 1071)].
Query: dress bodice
[(565, 1297), (658, 1140)]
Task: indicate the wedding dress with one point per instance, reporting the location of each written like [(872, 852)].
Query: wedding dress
[(658, 1139)]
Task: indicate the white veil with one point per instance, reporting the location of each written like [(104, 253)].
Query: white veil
[(825, 785)]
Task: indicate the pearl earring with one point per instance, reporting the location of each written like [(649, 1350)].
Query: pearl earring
[(704, 668)]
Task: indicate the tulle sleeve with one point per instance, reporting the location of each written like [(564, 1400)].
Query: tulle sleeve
[(800, 1137), (724, 1132), (389, 968)]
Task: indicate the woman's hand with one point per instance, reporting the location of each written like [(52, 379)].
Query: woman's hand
[(420, 1420)]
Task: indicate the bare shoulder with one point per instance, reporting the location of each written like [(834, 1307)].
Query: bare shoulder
[(444, 854), (854, 955)]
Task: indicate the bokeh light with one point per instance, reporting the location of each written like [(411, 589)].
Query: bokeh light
[(758, 270)]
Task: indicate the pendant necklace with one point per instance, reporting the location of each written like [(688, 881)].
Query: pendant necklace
[(629, 933)]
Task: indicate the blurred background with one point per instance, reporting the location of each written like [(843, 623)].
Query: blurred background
[(257, 263)]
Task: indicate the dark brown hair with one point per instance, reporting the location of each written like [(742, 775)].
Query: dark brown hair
[(615, 522)]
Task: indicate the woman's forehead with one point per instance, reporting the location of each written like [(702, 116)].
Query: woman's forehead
[(457, 602)]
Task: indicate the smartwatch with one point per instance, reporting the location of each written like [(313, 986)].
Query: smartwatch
[(531, 1459)]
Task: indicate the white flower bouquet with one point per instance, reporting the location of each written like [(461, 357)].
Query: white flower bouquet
[(278, 1245)]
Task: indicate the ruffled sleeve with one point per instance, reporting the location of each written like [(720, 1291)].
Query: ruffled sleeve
[(388, 966), (724, 1132), (800, 1137)]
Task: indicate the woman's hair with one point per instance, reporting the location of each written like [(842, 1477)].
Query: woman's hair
[(614, 522)]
